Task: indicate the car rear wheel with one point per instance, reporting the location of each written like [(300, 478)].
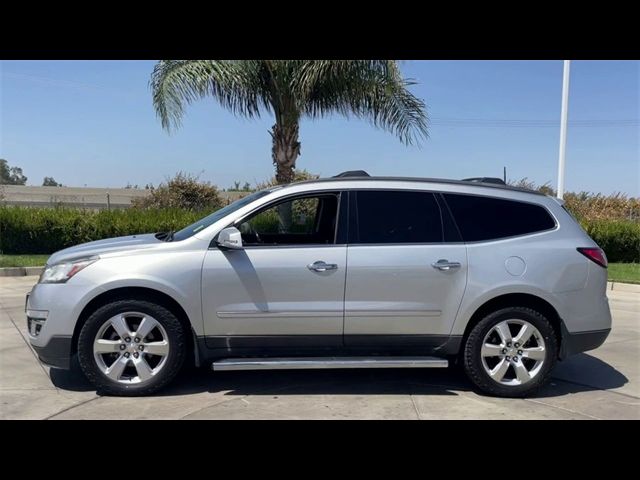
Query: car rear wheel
[(131, 347), (511, 352)]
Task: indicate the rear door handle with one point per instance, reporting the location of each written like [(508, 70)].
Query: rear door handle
[(321, 266), (445, 265)]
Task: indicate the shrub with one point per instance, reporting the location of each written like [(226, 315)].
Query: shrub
[(183, 191), (298, 176), (46, 230), (612, 221), (619, 239), (587, 206), (531, 185), (590, 206)]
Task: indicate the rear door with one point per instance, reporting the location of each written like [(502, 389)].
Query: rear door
[(406, 272)]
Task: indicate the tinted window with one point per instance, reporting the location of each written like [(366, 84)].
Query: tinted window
[(485, 218), (397, 217), (303, 220), (451, 232)]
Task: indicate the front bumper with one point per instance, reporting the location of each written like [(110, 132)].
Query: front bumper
[(578, 342), (52, 311), (56, 307), (56, 353)]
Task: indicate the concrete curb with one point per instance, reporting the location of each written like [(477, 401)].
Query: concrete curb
[(20, 271), (623, 287)]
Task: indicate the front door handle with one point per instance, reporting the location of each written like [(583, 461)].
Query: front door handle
[(321, 266), (445, 265)]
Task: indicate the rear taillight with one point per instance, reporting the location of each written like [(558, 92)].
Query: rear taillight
[(595, 254)]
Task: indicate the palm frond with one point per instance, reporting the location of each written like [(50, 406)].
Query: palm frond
[(177, 83), (368, 89)]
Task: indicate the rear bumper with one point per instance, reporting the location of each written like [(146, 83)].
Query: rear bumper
[(56, 353), (573, 343)]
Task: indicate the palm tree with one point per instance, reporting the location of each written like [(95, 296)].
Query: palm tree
[(290, 90)]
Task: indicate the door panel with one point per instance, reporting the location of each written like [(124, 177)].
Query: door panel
[(394, 295), (270, 291), (395, 290)]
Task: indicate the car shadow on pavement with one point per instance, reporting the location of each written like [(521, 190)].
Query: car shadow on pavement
[(579, 373)]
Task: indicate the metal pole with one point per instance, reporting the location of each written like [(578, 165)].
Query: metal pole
[(563, 127)]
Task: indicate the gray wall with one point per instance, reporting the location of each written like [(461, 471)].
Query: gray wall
[(84, 197)]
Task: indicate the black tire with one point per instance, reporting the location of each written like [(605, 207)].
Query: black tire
[(176, 336), (473, 362)]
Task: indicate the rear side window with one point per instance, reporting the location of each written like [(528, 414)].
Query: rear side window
[(397, 217), (485, 218)]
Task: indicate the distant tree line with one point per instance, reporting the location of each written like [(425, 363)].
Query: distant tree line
[(11, 175), (237, 188), (14, 176)]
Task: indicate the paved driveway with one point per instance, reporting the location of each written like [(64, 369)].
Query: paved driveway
[(604, 383)]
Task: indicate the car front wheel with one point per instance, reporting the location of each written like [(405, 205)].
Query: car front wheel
[(131, 347)]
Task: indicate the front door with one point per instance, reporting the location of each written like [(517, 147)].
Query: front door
[(407, 270), (286, 287)]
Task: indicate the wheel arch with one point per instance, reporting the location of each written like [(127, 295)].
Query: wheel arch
[(526, 300), (137, 293)]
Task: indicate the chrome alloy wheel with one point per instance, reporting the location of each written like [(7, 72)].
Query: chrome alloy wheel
[(513, 352), (131, 347)]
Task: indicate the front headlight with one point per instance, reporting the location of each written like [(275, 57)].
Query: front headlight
[(62, 272)]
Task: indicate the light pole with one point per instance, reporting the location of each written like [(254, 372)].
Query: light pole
[(563, 127)]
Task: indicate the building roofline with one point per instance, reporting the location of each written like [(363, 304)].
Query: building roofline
[(421, 179)]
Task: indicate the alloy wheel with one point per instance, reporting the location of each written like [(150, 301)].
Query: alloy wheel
[(513, 352), (131, 347)]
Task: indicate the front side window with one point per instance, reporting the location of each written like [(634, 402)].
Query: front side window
[(397, 217), (300, 221), (486, 218), (218, 215)]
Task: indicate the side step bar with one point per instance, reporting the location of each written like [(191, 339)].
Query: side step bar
[(327, 362)]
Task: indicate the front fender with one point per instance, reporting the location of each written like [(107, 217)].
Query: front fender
[(177, 275)]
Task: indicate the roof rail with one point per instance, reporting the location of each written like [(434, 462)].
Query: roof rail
[(352, 173), (485, 183), (495, 180)]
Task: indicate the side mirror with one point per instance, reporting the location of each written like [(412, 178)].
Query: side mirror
[(230, 238)]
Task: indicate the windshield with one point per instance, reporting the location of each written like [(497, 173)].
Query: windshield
[(217, 215)]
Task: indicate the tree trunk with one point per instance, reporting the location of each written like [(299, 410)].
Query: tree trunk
[(285, 150)]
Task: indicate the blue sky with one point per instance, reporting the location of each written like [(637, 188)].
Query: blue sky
[(92, 122)]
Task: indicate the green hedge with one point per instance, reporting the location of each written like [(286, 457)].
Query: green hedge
[(45, 230), (619, 239)]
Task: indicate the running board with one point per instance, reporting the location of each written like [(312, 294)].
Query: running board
[(327, 362)]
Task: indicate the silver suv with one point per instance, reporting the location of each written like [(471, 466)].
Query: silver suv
[(346, 272)]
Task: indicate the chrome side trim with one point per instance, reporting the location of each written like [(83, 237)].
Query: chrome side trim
[(328, 362), (393, 313), (272, 314)]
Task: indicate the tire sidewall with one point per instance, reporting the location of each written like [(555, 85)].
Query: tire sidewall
[(174, 361), (473, 359)]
